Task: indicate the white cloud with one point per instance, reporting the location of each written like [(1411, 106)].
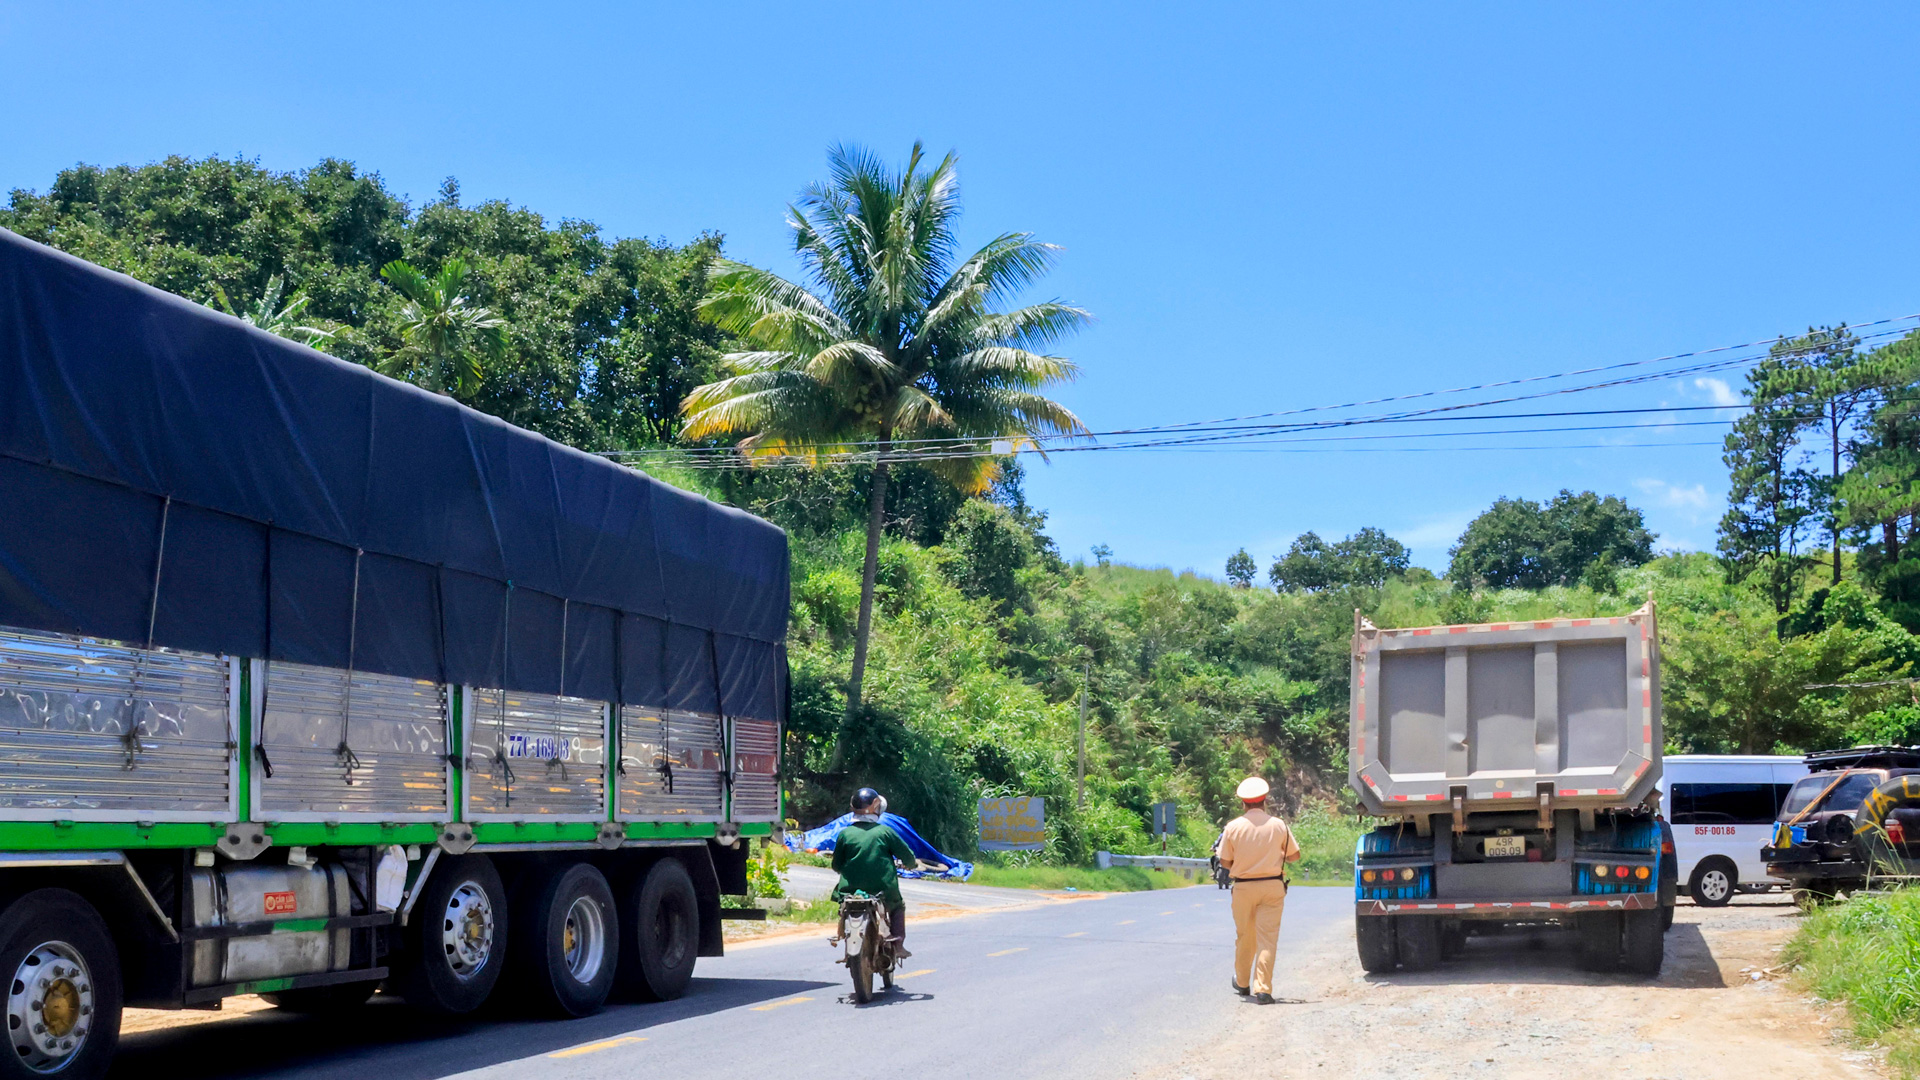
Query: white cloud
[(1691, 498), (1718, 390)]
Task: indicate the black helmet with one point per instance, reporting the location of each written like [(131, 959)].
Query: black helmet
[(864, 798)]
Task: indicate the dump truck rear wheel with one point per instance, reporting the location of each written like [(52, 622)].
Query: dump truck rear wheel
[(455, 939), (1374, 935), (63, 994), (568, 943), (659, 933), (1600, 933), (1417, 938), (1643, 944)]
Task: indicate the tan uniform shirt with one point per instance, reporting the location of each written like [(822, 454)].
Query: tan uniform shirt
[(1257, 845)]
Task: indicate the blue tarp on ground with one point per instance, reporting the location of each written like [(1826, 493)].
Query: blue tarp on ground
[(821, 840)]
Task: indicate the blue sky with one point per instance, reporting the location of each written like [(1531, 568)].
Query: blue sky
[(1265, 206)]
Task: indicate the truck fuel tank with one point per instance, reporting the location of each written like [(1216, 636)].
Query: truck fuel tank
[(237, 895)]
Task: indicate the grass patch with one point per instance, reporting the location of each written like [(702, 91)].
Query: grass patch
[(1866, 952), (813, 911), (1083, 878)]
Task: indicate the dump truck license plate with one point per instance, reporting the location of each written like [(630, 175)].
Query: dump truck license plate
[(1501, 846)]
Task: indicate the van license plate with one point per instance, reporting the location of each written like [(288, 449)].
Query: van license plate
[(1506, 846)]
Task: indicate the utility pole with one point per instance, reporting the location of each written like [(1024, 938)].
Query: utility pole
[(1080, 741)]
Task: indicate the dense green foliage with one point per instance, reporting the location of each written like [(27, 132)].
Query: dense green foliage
[(604, 338), (1368, 558)]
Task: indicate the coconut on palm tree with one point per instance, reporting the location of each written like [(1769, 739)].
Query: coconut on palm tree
[(892, 350), (447, 335)]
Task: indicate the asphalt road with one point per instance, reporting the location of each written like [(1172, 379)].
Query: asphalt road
[(1090, 987)]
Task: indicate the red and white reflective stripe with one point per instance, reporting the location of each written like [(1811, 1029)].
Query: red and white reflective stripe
[(1590, 791), (1485, 628), (1627, 901)]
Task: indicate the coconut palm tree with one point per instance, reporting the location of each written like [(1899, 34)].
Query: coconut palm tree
[(893, 351), (447, 335)]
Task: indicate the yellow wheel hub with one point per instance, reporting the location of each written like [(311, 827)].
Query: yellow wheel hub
[(60, 1009)]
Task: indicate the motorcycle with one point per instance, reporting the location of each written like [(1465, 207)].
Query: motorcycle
[(868, 949)]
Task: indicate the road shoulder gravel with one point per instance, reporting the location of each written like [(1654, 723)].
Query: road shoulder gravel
[(1518, 1007)]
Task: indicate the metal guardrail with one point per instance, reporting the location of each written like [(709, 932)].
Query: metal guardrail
[(1107, 859)]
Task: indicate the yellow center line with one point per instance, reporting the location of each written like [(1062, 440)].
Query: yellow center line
[(780, 1004), (1127, 922), (1078, 933), (916, 974), (1004, 952), (596, 1047), (1166, 913)]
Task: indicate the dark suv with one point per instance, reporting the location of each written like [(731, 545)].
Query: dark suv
[(1814, 845)]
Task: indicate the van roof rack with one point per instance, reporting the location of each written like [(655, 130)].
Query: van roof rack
[(1889, 757)]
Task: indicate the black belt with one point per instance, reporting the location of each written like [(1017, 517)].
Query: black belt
[(1281, 878)]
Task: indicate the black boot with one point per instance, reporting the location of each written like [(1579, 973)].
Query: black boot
[(1241, 990), (1263, 999)]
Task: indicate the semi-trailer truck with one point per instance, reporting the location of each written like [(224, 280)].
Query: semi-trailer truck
[(1515, 767), (313, 682)]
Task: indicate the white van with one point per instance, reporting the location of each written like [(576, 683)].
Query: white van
[(1722, 809)]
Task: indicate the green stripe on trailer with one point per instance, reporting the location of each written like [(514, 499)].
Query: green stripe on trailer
[(263, 986), (756, 828), (105, 835), (352, 833), (668, 830), (533, 832)]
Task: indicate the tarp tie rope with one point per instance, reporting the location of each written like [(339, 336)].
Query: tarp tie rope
[(132, 735), (345, 751), (266, 662), (500, 733), (559, 740)]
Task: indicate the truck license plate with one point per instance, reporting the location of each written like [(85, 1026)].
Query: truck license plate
[(1505, 846)]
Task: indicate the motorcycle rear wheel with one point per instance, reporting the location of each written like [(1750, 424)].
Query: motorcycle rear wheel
[(860, 966)]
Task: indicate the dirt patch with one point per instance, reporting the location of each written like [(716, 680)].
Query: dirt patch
[(1517, 1006)]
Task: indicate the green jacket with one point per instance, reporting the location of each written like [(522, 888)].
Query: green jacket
[(864, 853)]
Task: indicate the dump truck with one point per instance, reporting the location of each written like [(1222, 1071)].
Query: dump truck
[(1514, 766), (313, 683)]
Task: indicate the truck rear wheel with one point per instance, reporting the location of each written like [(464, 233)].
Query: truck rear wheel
[(456, 938), (659, 933), (1374, 935), (1599, 940), (1417, 938), (63, 995), (569, 941), (1643, 944)]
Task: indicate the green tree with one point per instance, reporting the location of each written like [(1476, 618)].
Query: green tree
[(1370, 558), (1822, 378), (1733, 685), (1241, 568), (448, 337), (894, 342), (1769, 498), (1306, 567), (1517, 543)]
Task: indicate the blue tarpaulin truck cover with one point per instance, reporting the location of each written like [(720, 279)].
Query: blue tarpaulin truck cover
[(821, 839), (176, 477)]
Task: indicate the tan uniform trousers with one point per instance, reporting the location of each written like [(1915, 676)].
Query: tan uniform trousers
[(1256, 922)]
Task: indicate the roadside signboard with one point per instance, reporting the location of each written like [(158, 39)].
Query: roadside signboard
[(1162, 819), (1013, 824)]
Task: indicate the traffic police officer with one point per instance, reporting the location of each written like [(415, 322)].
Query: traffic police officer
[(1255, 850)]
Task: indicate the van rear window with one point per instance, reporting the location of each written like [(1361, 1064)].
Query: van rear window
[(1724, 804)]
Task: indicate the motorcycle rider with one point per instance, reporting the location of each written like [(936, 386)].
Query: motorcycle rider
[(863, 853)]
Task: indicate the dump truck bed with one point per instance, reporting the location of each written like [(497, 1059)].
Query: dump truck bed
[(1496, 716)]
